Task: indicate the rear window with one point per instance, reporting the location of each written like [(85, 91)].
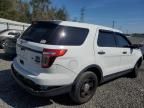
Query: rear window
[(53, 34)]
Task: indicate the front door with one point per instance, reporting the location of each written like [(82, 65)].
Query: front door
[(126, 52)]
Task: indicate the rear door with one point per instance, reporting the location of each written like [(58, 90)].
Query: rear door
[(108, 55)]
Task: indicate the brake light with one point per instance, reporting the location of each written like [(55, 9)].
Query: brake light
[(49, 56)]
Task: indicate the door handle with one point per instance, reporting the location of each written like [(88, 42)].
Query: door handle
[(101, 52), (124, 52)]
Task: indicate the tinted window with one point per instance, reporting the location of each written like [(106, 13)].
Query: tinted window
[(106, 39), (53, 34), (122, 41)]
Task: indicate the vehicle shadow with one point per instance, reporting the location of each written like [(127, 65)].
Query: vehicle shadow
[(13, 95), (3, 56), (16, 97)]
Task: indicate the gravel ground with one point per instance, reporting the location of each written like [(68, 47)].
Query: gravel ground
[(120, 93)]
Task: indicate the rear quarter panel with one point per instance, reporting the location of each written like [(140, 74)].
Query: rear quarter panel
[(79, 57), (75, 60)]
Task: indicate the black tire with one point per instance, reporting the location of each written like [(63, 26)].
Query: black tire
[(135, 70), (84, 88)]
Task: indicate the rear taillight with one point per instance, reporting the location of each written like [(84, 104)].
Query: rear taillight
[(49, 56)]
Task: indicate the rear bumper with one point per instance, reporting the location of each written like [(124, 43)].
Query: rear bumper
[(36, 89), (56, 75)]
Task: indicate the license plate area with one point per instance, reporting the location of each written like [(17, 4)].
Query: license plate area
[(31, 58)]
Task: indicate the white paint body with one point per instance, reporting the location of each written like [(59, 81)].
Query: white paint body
[(66, 68)]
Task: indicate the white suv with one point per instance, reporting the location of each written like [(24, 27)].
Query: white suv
[(56, 57)]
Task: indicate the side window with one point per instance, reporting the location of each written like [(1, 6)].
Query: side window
[(122, 41), (106, 39)]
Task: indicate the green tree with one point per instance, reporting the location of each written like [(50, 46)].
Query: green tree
[(39, 8), (43, 10), (7, 9), (26, 11), (61, 14)]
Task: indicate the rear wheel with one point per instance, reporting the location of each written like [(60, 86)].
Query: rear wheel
[(84, 88)]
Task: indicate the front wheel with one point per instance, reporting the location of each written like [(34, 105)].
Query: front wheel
[(84, 88), (135, 70)]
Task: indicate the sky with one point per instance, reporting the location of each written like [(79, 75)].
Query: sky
[(128, 15)]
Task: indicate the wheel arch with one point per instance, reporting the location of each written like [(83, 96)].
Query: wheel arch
[(93, 68), (139, 61)]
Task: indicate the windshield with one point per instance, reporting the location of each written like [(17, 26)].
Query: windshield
[(53, 34)]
